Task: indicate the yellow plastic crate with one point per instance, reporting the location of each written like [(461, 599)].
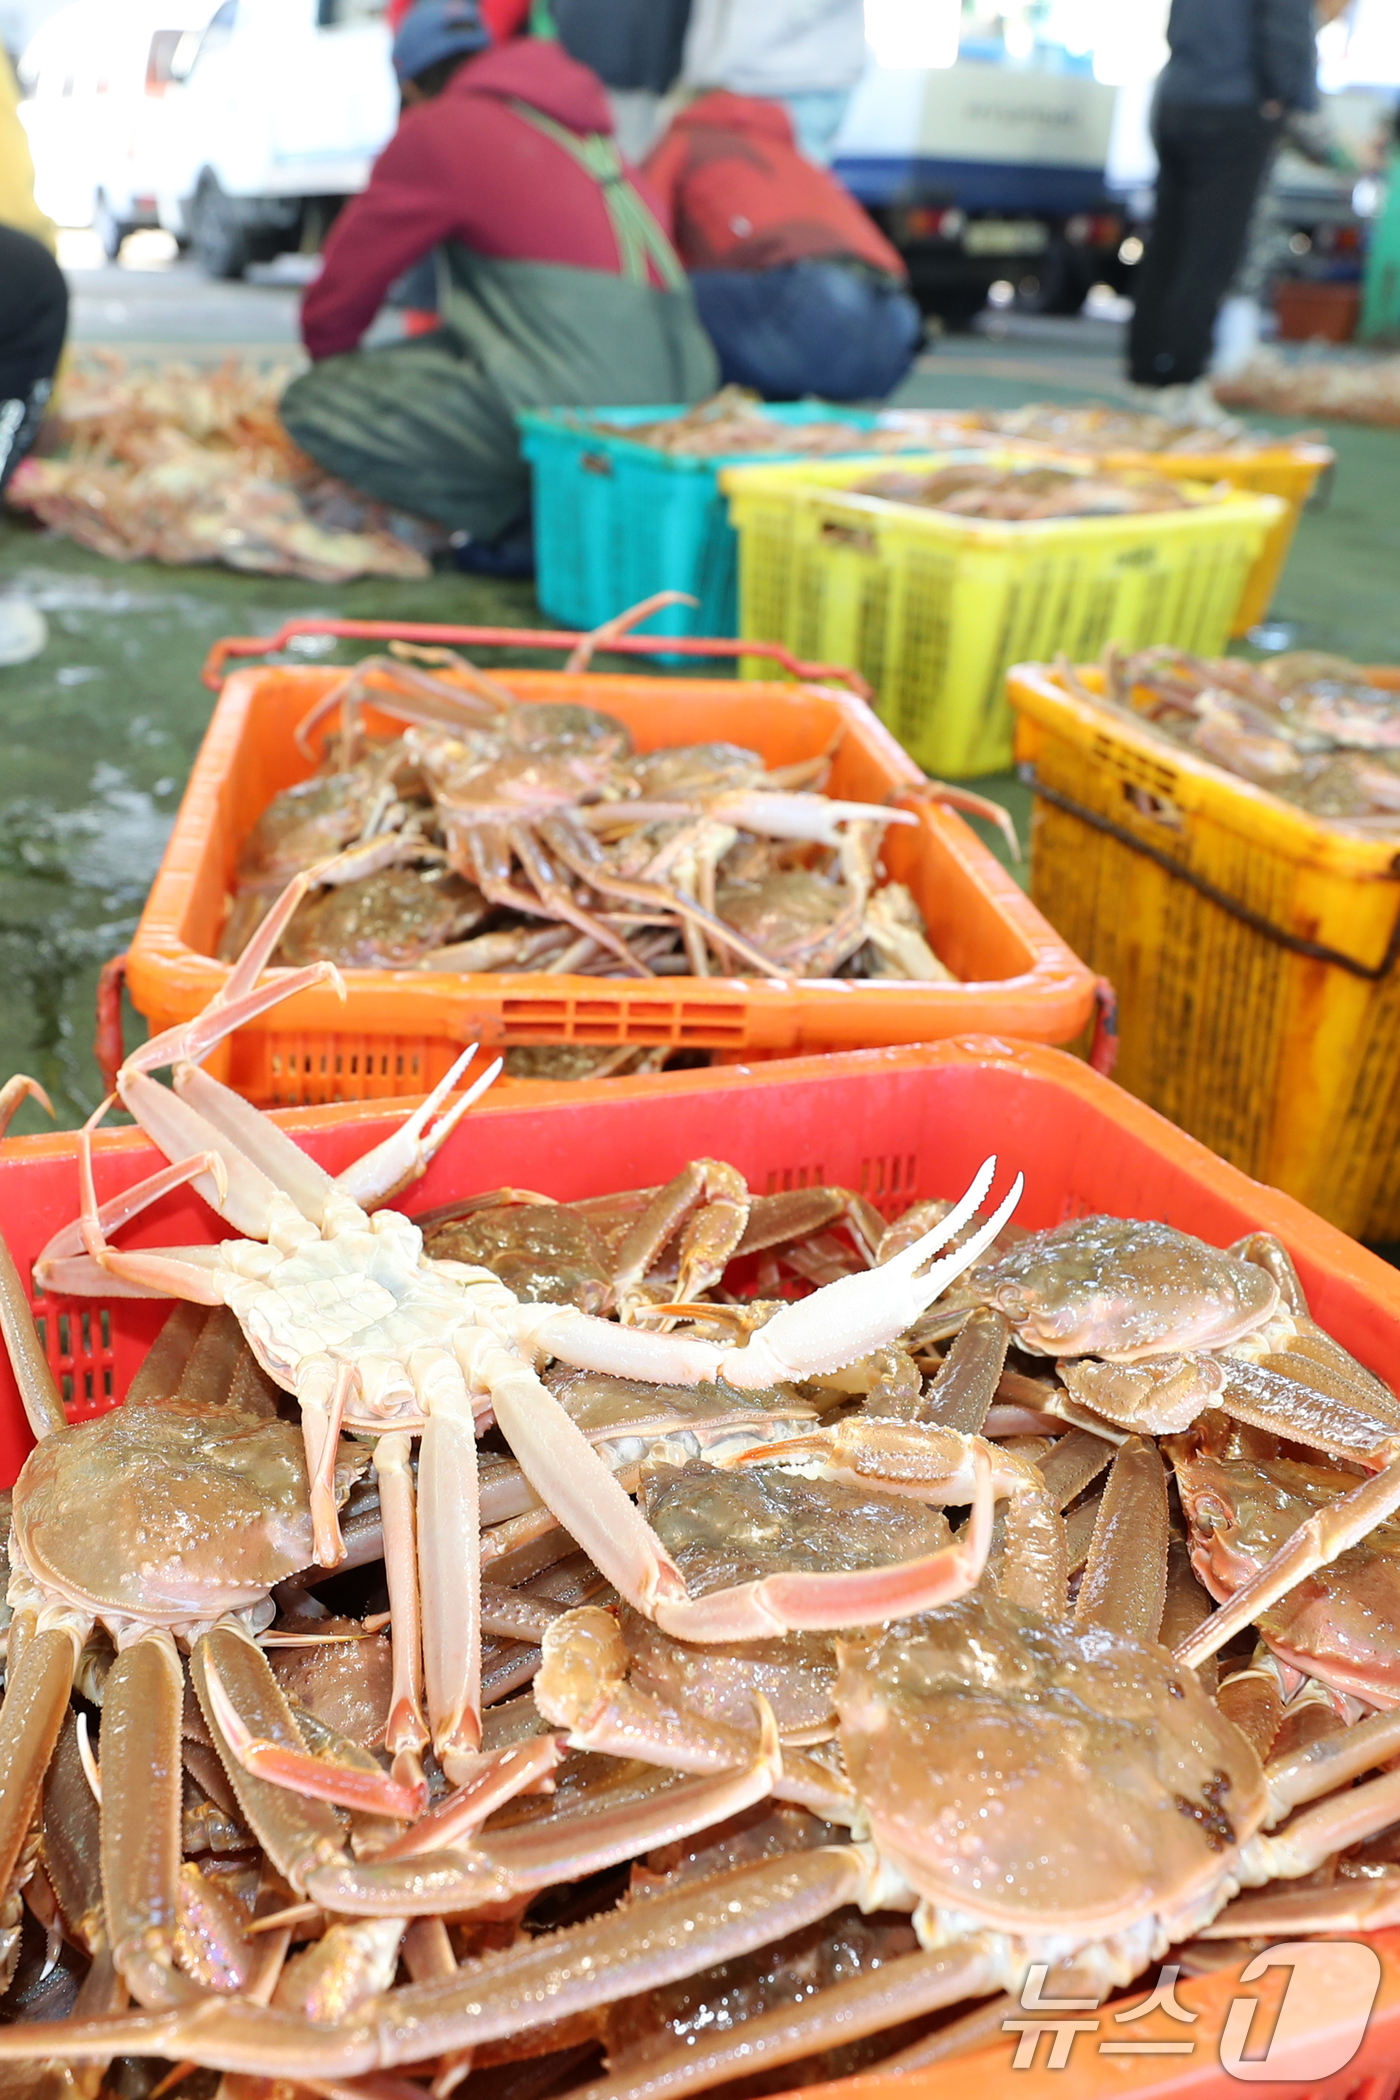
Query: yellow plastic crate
[(1291, 472), (934, 609), (1254, 949)]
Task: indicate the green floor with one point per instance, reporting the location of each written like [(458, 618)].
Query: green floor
[(98, 734)]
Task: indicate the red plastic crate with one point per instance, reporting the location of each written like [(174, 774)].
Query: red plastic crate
[(896, 1124)]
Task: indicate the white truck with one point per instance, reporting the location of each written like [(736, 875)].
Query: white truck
[(282, 108), (983, 172), (97, 81)]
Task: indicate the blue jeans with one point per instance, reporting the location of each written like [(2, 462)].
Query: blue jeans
[(809, 328)]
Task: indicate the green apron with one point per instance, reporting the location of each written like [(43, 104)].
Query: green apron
[(428, 426)]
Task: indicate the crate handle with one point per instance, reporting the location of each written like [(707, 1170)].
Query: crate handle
[(596, 463), (241, 645), (1294, 942), (108, 1047), (1103, 1050)]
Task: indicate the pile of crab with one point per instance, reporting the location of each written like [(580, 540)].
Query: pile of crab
[(1027, 491), (500, 834), (530, 1649), (1313, 728)]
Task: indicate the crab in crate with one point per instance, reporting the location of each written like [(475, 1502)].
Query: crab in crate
[(544, 841), (945, 1724), (344, 1310), (1151, 1329)]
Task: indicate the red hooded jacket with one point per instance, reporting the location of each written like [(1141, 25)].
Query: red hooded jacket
[(467, 167), (741, 196)]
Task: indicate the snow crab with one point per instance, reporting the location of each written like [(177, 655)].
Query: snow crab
[(948, 1723), (574, 852), (1151, 1328), (344, 1310)]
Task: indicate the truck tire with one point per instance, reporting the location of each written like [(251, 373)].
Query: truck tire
[(217, 234), (1054, 284)]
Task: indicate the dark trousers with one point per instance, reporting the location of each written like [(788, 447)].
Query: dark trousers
[(33, 322), (1213, 161), (809, 328)]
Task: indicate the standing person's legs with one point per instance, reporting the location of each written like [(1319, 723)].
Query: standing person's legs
[(33, 322), (1220, 158), (1155, 283), (809, 328)]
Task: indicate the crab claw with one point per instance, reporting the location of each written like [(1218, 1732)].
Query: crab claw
[(815, 818), (378, 1176), (845, 1320)]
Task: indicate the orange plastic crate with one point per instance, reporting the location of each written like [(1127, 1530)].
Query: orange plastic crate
[(898, 1124), (400, 1030)]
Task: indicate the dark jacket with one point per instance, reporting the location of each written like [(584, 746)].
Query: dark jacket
[(467, 167), (628, 43), (1241, 53), (739, 195)]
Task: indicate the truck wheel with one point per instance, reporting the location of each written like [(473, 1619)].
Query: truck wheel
[(110, 230), (217, 235), (1052, 284)]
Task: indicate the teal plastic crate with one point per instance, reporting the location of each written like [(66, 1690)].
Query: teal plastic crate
[(616, 520)]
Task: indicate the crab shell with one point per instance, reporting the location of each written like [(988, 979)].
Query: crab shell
[(1058, 1784), (1122, 1289), (166, 1517), (1341, 1623)]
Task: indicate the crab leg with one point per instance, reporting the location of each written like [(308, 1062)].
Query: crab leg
[(449, 1559), (499, 1777), (962, 1392), (486, 853), (1293, 1914), (907, 1988), (405, 1728), (712, 1232), (161, 1273), (837, 1325), (323, 1391), (1125, 1583), (36, 1700), (939, 1466), (651, 1943), (141, 1773), (297, 1833), (255, 1139), (815, 818), (62, 1266), (519, 1862), (1317, 1542), (193, 1041), (580, 852), (302, 1772), (241, 1193), (38, 1388)]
